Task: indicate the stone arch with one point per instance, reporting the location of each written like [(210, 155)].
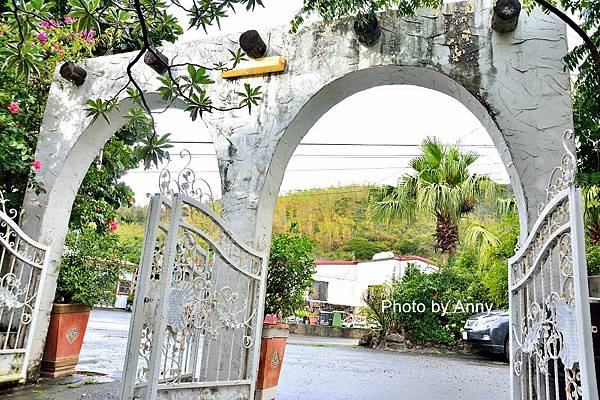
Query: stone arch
[(360, 80), (47, 215), (514, 83)]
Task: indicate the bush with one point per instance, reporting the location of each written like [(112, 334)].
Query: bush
[(495, 281), (446, 286), (90, 269), (291, 268), (362, 248), (593, 259), (374, 297), (131, 241)]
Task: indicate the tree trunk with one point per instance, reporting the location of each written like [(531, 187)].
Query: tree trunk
[(446, 234), (593, 233)]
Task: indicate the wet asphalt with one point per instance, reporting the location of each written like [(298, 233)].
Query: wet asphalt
[(313, 369)]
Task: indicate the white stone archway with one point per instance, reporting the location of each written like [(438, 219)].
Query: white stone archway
[(514, 83)]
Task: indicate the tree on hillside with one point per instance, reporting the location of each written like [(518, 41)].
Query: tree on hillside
[(442, 186)]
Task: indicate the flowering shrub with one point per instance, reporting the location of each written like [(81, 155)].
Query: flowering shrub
[(14, 108), (19, 125), (24, 86), (63, 40)]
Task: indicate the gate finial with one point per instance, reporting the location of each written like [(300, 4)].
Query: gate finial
[(562, 176), (186, 182)]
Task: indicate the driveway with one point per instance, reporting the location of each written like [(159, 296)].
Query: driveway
[(340, 373), (313, 369)]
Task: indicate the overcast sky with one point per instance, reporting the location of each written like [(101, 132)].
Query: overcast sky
[(399, 115)]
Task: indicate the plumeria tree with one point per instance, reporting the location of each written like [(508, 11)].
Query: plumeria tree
[(33, 34), (37, 36)]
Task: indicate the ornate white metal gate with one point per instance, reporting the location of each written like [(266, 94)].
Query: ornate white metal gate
[(195, 331), (551, 334), (23, 264)]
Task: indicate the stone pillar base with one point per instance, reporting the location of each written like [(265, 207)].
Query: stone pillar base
[(265, 394), (59, 368)]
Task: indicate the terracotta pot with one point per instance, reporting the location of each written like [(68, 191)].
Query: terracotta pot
[(272, 350), (68, 323)]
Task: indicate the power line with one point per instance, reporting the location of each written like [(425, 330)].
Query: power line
[(332, 156), (311, 169), (491, 146)]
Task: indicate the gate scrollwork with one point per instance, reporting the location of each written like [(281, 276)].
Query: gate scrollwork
[(197, 313), (23, 265), (548, 298)]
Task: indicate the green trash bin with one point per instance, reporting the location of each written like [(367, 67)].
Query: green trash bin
[(337, 319)]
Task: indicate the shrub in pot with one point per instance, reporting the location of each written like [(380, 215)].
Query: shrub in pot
[(291, 268), (89, 273)]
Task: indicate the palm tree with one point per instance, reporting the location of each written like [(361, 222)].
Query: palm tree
[(441, 186)]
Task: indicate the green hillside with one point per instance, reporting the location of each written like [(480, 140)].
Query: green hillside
[(337, 219)]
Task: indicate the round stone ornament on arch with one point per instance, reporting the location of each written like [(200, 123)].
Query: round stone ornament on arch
[(514, 83)]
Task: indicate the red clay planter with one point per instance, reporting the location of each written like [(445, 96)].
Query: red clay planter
[(68, 323), (272, 350)]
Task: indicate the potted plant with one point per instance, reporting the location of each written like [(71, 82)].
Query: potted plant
[(291, 269), (88, 274)]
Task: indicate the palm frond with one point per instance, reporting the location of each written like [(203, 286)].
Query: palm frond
[(478, 237), (388, 202)]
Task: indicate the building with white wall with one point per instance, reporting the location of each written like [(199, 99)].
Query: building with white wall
[(342, 283)]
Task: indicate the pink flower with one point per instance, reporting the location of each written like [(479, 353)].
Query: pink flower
[(58, 49), (43, 188), (14, 108), (42, 37), (88, 36), (113, 226), (54, 23), (70, 20), (37, 165), (46, 25)]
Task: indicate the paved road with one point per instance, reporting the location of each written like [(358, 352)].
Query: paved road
[(340, 373), (313, 369)]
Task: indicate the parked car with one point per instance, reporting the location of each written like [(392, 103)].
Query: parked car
[(489, 332)]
